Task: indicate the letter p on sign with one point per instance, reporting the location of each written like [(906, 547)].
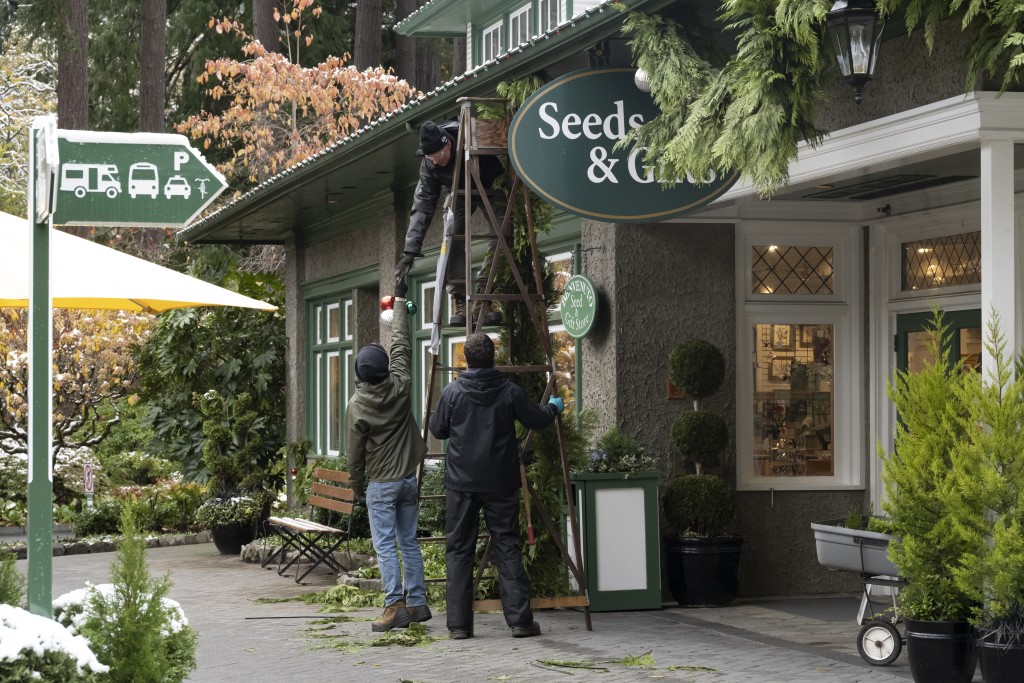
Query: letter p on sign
[(180, 158)]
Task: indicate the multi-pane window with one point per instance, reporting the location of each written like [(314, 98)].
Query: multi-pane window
[(492, 43), (519, 26), (333, 383), (547, 15), (793, 399), (791, 270), (939, 262), (799, 363)]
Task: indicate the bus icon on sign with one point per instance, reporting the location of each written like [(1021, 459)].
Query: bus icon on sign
[(143, 179)]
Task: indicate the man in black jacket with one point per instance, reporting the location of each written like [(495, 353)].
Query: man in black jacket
[(437, 147), (477, 414)]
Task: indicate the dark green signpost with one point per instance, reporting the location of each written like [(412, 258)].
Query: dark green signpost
[(562, 141), (132, 179), (90, 178)]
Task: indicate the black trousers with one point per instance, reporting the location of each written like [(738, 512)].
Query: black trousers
[(501, 512)]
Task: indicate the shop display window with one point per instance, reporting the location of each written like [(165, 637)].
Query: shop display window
[(793, 400)]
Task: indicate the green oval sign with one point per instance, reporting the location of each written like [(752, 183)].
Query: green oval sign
[(560, 143), (579, 306)]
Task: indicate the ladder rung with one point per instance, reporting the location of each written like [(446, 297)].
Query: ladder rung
[(428, 456), (501, 368), (440, 496), (436, 539), (505, 297)]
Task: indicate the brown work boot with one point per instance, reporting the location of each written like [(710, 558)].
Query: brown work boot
[(533, 629), (395, 616), (419, 613), (458, 311)]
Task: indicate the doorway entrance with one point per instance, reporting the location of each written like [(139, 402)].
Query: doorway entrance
[(964, 340)]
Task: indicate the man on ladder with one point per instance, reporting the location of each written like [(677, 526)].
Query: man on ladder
[(437, 146)]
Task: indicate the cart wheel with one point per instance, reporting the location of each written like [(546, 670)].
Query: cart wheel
[(879, 643)]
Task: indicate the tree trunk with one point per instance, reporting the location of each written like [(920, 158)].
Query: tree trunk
[(369, 17), (152, 59), (72, 68), (428, 64), (458, 56), (264, 28), (405, 47)]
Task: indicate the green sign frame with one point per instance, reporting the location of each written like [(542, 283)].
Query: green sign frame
[(578, 306), (132, 179), (561, 144)]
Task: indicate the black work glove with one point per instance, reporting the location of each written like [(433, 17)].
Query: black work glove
[(359, 495), (401, 288), (402, 269)]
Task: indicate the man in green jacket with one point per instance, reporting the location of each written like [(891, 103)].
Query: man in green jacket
[(384, 448)]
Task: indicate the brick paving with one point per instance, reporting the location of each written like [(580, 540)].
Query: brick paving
[(762, 641)]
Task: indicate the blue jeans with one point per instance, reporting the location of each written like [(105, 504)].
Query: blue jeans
[(394, 517)]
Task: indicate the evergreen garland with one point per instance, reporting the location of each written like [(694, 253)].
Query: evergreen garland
[(750, 113)]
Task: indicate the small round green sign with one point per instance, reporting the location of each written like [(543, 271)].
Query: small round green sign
[(579, 306)]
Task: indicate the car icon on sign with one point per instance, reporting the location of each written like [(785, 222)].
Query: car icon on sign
[(177, 186)]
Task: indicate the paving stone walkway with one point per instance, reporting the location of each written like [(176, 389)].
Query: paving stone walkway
[(763, 641)]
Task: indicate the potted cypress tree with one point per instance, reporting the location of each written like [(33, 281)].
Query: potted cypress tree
[(702, 558), (988, 504), (240, 488), (928, 543)]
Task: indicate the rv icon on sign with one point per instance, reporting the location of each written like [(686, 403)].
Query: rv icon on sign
[(85, 178)]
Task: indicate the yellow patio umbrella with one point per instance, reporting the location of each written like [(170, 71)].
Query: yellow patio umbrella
[(84, 274)]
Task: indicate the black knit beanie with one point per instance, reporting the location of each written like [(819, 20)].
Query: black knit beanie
[(372, 364)]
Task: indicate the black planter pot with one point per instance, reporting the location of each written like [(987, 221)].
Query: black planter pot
[(941, 651), (704, 572), (230, 538), (1001, 663)]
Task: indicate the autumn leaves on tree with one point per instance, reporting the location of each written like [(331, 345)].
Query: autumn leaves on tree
[(278, 113)]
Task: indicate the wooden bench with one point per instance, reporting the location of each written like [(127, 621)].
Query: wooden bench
[(305, 536)]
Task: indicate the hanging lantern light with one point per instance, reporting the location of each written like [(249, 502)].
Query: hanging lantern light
[(856, 32)]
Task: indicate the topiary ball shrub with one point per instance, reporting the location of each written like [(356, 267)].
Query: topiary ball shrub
[(697, 367), (699, 506), (699, 437)]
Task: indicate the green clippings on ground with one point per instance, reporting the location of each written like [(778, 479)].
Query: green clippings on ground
[(643, 660), (271, 601), (413, 636), (503, 677), (359, 664), (338, 598), (573, 664), (416, 634), (333, 620), (707, 669), (326, 627)]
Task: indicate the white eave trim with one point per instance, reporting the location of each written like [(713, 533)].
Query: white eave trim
[(934, 130)]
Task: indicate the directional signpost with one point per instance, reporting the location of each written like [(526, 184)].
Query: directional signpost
[(132, 179), (88, 178)]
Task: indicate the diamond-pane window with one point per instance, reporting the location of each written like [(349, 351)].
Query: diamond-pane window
[(792, 270), (941, 262)]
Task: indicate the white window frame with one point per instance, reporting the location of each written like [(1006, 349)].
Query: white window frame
[(544, 23), (348, 322), (494, 32), (327, 323), (842, 310), (331, 407), (516, 21)]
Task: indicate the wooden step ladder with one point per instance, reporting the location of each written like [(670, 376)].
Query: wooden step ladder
[(480, 138)]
